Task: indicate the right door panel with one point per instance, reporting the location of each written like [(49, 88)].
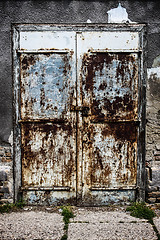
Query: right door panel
[(109, 88)]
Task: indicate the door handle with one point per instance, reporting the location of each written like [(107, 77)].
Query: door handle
[(83, 109)]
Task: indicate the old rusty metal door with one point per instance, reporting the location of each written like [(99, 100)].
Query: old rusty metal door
[(48, 127), (79, 113), (108, 74)]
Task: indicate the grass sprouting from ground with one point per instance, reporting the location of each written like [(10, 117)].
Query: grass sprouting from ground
[(67, 214), (8, 207), (141, 210), (64, 237)]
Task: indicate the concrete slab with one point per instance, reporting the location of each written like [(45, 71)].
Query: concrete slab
[(104, 216), (111, 231), (31, 225), (108, 225)]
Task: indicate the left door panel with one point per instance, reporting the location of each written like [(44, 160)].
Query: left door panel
[(48, 127)]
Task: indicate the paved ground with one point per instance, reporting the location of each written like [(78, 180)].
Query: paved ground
[(31, 225), (108, 225), (88, 224)]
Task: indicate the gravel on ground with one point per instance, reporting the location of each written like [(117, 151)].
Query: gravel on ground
[(31, 225), (89, 223)]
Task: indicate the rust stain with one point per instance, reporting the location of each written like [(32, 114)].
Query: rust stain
[(41, 148), (42, 97), (111, 80), (120, 140), (46, 85), (109, 86), (48, 128), (91, 64), (102, 86), (27, 61), (121, 131), (99, 165)]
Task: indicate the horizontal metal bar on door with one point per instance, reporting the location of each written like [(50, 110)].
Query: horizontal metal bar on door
[(44, 51), (45, 188), (42, 121), (116, 51), (113, 189), (116, 121)]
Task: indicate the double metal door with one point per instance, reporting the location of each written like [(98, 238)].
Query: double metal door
[(79, 116)]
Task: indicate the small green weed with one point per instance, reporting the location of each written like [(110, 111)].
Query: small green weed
[(64, 237), (8, 207), (141, 210), (20, 204), (67, 214)]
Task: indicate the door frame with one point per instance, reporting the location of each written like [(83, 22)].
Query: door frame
[(78, 28)]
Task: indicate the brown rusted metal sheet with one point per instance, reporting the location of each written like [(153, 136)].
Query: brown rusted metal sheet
[(48, 155), (109, 89), (111, 155), (46, 92), (112, 82), (48, 127), (79, 112)]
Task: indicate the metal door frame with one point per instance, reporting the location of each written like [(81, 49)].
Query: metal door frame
[(141, 30)]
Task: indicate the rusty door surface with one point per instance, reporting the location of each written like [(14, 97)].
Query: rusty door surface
[(79, 113), (109, 91), (48, 127)]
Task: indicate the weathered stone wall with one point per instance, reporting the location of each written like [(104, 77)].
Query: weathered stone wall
[(6, 174), (153, 132)]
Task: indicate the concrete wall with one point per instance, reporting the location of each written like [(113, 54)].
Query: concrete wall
[(78, 12)]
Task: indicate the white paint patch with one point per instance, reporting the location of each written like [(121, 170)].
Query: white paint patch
[(152, 71), (118, 15), (10, 139), (106, 41), (41, 40), (88, 21)]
